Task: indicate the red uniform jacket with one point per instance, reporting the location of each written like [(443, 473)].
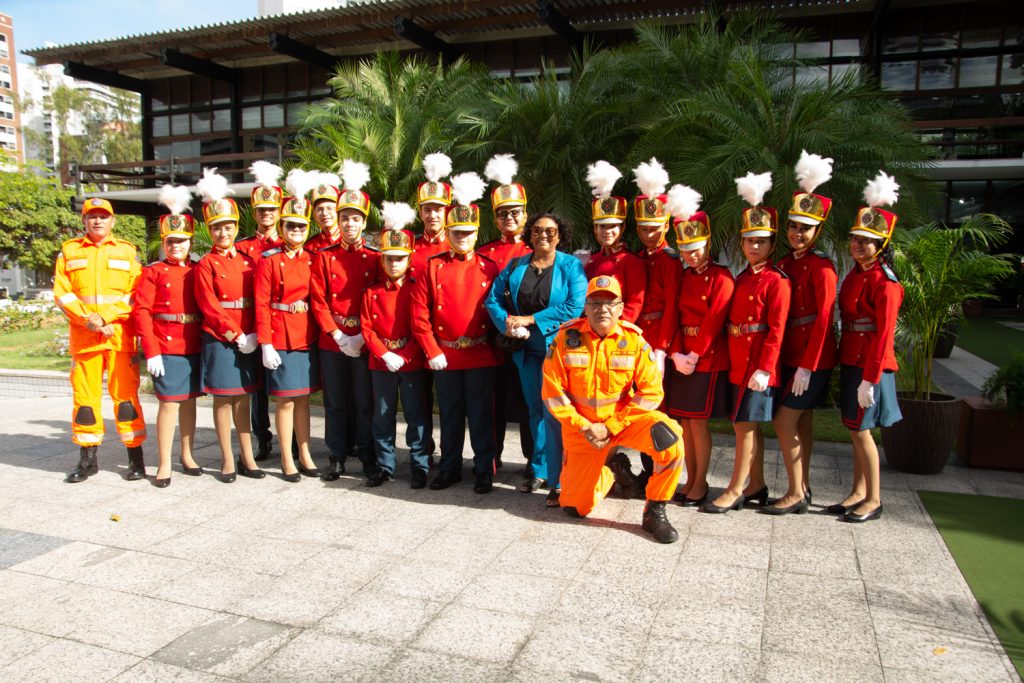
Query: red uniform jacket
[(501, 251), (703, 304), (168, 288), (386, 318), (423, 249), (759, 299), (254, 245), (629, 270), (320, 241), (810, 340), (280, 280), (341, 273), (659, 317), (226, 277), (448, 307), (874, 297)]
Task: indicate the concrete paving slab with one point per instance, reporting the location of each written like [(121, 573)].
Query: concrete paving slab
[(318, 656), (54, 661), (478, 634), (226, 645)]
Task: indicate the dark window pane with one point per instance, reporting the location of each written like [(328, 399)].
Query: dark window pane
[(201, 121), (220, 92), (944, 40), (936, 74), (1013, 69), (249, 85), (318, 80), (966, 198), (978, 72), (845, 47), (298, 79), (273, 115), (812, 75), (179, 124), (179, 92), (905, 43), (273, 81), (1008, 200), (296, 113), (221, 119), (158, 95), (200, 95), (251, 117), (161, 126), (982, 37), (813, 50), (215, 146), (899, 75)]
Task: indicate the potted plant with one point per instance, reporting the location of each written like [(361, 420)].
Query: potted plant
[(940, 268), (991, 424)]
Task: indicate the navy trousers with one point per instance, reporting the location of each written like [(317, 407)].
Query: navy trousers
[(348, 406), (387, 387), (466, 395)]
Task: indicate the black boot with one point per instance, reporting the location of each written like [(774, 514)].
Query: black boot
[(624, 477), (136, 466), (656, 522), (86, 465)]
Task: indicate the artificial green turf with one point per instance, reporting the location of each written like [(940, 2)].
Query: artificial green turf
[(986, 538), (988, 339)]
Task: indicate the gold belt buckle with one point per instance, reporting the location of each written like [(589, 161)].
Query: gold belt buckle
[(298, 307), (691, 331), (734, 331), (463, 343)]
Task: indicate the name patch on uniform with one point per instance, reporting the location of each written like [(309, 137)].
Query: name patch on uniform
[(76, 263), (622, 362), (576, 360), (119, 264)]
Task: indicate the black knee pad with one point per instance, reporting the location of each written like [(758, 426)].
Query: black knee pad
[(126, 411), (85, 416), (662, 437)]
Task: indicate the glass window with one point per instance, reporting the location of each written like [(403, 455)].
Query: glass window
[(944, 40), (899, 75), (201, 121), (937, 74), (179, 124), (813, 50), (843, 70), (982, 37), (273, 81), (1013, 69), (893, 44), (179, 92), (200, 91), (158, 95), (273, 115), (297, 113), (966, 198), (318, 81), (249, 85), (221, 119), (161, 126), (978, 72), (251, 117), (1008, 200), (220, 92), (298, 79), (812, 75), (1013, 104), (215, 146)]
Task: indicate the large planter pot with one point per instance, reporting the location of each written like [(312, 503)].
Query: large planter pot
[(989, 437), (946, 341), (921, 442)]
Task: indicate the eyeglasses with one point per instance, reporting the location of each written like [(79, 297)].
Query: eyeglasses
[(603, 305), (549, 232), (510, 213)]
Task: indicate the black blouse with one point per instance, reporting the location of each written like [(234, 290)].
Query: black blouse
[(535, 289)]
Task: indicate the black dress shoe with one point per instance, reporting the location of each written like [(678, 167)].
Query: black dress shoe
[(419, 479), (484, 483), (840, 509), (263, 449), (162, 483), (692, 502), (333, 471), (255, 473), (713, 509), (228, 478), (190, 471), (799, 507), (759, 497), (309, 472), (443, 481), (378, 478), (866, 517), (292, 478)]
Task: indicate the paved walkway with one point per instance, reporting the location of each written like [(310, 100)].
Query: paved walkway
[(963, 373), (271, 581)]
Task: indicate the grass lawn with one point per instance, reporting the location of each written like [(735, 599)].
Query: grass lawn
[(828, 426), (29, 350), (985, 537), (988, 339)]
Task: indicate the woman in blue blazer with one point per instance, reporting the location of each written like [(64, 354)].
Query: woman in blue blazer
[(530, 299)]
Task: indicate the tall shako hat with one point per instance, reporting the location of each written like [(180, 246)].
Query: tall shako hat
[(355, 175), (395, 240), (502, 169), (808, 208), (266, 194), (177, 223), (326, 188), (693, 227), (871, 220), (296, 207), (464, 214), (649, 206), (217, 206), (434, 190), (758, 221), (605, 208)]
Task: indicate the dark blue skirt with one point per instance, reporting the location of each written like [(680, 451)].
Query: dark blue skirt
[(813, 397), (754, 406), (885, 412), (227, 371), (697, 396), (298, 374), (182, 378)]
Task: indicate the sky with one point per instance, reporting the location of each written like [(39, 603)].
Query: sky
[(37, 22)]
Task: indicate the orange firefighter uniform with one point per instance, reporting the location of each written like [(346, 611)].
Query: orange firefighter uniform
[(613, 380)]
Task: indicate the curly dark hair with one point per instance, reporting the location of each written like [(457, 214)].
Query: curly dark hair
[(564, 230)]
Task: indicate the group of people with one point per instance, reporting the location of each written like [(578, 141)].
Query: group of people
[(606, 350)]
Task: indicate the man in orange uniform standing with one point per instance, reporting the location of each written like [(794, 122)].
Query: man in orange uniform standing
[(93, 284), (601, 383)]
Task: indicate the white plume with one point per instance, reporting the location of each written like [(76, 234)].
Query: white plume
[(300, 182), (754, 187), (437, 166), (467, 188), (355, 173), (683, 201), (882, 191), (323, 178), (213, 186), (501, 169), (396, 215), (175, 197), (651, 177), (602, 176), (812, 170), (266, 173)]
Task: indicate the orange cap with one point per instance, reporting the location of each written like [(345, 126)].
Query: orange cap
[(604, 283), (96, 204)]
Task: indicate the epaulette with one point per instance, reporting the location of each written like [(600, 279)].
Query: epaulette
[(630, 326), (571, 323), (270, 252), (245, 239), (671, 252), (437, 255), (125, 243), (487, 258), (367, 247), (780, 272), (889, 273)]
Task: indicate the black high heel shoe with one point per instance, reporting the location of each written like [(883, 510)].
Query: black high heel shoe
[(693, 502), (293, 477), (713, 509), (256, 473), (808, 496), (840, 509), (307, 471), (759, 497), (866, 517), (162, 483), (190, 471), (228, 478), (800, 507)]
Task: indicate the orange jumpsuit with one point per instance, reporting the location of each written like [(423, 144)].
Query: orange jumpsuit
[(101, 278), (613, 380)]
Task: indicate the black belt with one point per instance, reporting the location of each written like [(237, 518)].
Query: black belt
[(740, 330)]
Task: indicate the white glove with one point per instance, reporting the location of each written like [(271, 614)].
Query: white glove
[(866, 394), (247, 342), (357, 342), (393, 361), (801, 380), (685, 365), (520, 333), (583, 256), (758, 381), (155, 366), (659, 360), (438, 362), (271, 358), (339, 338), (351, 346)]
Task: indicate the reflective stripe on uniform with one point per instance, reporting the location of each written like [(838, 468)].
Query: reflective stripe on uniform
[(131, 436), (119, 264), (96, 299), (88, 438), (559, 401), (596, 402), (66, 299), (576, 360), (645, 403), (76, 263), (622, 362)]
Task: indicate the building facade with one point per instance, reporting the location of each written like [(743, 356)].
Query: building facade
[(11, 152)]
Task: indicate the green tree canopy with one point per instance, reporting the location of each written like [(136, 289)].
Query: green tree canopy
[(35, 217)]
